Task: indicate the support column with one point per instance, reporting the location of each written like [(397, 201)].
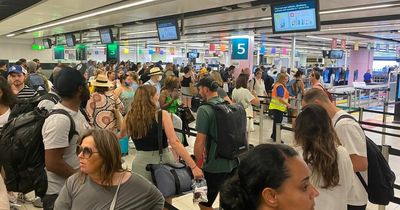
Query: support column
[(293, 53)]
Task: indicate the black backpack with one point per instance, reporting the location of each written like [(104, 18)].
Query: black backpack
[(268, 82), (22, 151), (381, 178), (27, 105), (231, 130)]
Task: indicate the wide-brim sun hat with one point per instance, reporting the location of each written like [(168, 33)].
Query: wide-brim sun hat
[(101, 81), (155, 71)]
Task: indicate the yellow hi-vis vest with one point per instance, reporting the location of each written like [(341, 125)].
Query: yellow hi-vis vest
[(275, 103)]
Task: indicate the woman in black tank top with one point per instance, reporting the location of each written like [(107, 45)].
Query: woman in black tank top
[(141, 125), (185, 84)]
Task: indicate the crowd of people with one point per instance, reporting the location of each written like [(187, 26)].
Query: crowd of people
[(108, 102)]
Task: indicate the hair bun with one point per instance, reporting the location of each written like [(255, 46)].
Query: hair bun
[(233, 196)]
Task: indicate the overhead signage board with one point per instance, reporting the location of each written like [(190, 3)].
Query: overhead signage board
[(240, 49)]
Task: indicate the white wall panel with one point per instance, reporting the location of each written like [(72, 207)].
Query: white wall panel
[(16, 49)]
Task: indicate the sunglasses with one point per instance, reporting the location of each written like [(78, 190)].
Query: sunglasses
[(86, 151)]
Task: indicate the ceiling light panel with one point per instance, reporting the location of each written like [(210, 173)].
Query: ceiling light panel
[(91, 14)]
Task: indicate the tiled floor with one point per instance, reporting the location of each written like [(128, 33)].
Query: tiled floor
[(185, 202)]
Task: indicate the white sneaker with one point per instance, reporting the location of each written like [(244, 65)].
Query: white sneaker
[(23, 198), (38, 202)]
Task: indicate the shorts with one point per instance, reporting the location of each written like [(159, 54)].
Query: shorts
[(214, 184)]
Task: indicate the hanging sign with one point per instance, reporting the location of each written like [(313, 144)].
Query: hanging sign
[(212, 47), (334, 43), (240, 49), (343, 44), (356, 46)]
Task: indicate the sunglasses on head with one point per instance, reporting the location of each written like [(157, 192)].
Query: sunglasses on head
[(86, 151)]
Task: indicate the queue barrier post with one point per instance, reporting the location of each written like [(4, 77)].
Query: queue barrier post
[(261, 125), (361, 115), (299, 99), (385, 153), (385, 110), (278, 136)]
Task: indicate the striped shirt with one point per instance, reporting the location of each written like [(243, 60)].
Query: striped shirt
[(27, 93)]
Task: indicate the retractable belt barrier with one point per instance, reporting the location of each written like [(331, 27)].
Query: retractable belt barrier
[(186, 132)]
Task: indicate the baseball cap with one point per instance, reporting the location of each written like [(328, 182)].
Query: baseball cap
[(208, 82), (16, 69)]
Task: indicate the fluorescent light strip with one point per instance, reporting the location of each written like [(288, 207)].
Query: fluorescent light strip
[(357, 9), (10, 35), (90, 15), (140, 32), (358, 27), (266, 18), (317, 37), (348, 10)]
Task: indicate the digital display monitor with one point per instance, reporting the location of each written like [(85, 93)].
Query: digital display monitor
[(81, 53), (398, 87), (295, 16), (326, 75), (325, 53), (113, 53), (168, 30), (106, 35), (47, 43), (70, 40), (59, 52), (336, 54), (193, 55)]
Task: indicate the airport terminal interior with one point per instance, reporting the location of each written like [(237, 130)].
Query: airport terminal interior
[(348, 50)]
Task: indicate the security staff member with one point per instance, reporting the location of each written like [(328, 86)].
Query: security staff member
[(279, 102)]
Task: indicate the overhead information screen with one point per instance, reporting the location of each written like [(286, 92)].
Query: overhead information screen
[(296, 16), (168, 30), (106, 36)]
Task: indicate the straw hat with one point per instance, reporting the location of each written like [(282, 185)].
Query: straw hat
[(101, 81), (155, 71)]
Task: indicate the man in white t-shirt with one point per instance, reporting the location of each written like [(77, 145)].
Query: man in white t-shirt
[(60, 156), (352, 138)]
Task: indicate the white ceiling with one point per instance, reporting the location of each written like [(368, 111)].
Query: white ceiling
[(233, 21)]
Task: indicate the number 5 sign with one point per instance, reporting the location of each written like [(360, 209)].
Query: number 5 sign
[(240, 49)]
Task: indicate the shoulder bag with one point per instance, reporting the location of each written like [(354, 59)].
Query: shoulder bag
[(170, 179)]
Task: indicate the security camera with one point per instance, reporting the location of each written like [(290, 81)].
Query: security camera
[(263, 9)]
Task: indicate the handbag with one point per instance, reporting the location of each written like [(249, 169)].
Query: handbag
[(186, 115), (170, 179), (193, 89)]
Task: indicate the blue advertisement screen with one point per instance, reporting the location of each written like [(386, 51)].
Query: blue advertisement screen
[(298, 16), (168, 30)]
